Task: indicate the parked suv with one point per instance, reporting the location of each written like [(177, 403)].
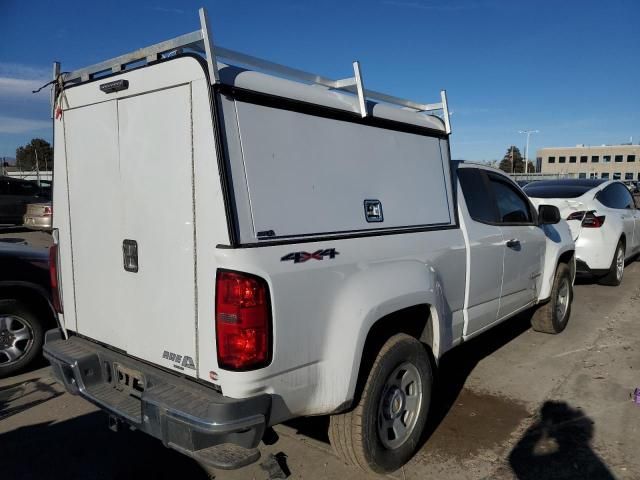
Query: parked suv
[(316, 253)]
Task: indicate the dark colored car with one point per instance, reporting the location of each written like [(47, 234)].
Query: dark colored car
[(15, 195), (25, 305)]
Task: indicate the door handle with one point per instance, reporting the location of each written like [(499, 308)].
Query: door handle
[(513, 243)]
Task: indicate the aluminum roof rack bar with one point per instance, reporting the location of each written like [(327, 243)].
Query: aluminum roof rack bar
[(445, 111), (347, 84), (201, 41), (52, 95), (207, 39), (362, 93), (191, 40), (356, 81)]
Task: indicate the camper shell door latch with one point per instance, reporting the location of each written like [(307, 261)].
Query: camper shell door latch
[(130, 255)]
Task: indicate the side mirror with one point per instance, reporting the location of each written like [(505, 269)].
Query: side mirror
[(548, 215)]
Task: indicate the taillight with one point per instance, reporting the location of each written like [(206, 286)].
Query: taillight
[(53, 277), (576, 216), (589, 219), (243, 321)]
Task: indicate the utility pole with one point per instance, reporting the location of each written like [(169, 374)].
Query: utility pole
[(526, 149), (37, 166), (513, 163)]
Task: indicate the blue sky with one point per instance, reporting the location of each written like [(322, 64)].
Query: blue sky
[(568, 68)]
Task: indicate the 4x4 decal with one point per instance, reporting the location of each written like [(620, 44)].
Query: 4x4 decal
[(301, 257)]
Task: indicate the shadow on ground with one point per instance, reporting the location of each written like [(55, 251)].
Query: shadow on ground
[(21, 396), (83, 448), (558, 446), (456, 365), (461, 421)]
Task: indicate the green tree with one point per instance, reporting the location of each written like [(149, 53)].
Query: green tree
[(512, 162), (36, 148), (531, 168)]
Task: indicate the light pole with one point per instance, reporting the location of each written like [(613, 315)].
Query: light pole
[(513, 163), (526, 149)]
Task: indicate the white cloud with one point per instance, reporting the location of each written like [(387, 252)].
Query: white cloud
[(22, 125), (19, 87), (18, 80), (28, 72)]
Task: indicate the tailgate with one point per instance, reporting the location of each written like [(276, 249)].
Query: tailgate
[(131, 211)]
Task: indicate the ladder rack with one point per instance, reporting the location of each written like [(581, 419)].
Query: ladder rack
[(201, 42)]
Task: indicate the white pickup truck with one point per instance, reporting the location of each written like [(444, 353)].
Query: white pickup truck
[(239, 243)]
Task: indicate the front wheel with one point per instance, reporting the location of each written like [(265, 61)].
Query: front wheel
[(553, 316), (383, 431)]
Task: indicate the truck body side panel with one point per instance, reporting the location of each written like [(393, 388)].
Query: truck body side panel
[(323, 309), (330, 168)]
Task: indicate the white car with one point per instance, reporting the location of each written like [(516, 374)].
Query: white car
[(603, 218), (38, 216)]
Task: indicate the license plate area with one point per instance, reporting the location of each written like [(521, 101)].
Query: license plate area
[(128, 380)]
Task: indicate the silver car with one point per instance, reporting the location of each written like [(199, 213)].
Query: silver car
[(38, 216)]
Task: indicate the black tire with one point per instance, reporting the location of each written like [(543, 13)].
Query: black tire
[(613, 278), (553, 316), (13, 315), (355, 435)]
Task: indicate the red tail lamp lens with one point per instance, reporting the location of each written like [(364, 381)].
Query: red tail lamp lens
[(243, 321), (53, 278)]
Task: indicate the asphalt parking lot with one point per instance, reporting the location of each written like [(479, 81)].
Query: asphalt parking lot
[(512, 403)]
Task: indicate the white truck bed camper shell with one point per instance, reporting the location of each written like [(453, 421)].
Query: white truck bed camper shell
[(239, 243)]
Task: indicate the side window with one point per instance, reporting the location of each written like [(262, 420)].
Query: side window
[(10, 187), (512, 207), (476, 195), (627, 198), (617, 196)]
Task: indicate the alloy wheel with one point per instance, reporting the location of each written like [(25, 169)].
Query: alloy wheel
[(16, 339)]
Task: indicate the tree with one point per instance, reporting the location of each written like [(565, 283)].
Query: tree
[(26, 155), (512, 162), (531, 168)]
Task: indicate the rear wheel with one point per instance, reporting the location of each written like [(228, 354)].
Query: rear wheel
[(383, 431), (616, 270), (553, 316), (21, 336)]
